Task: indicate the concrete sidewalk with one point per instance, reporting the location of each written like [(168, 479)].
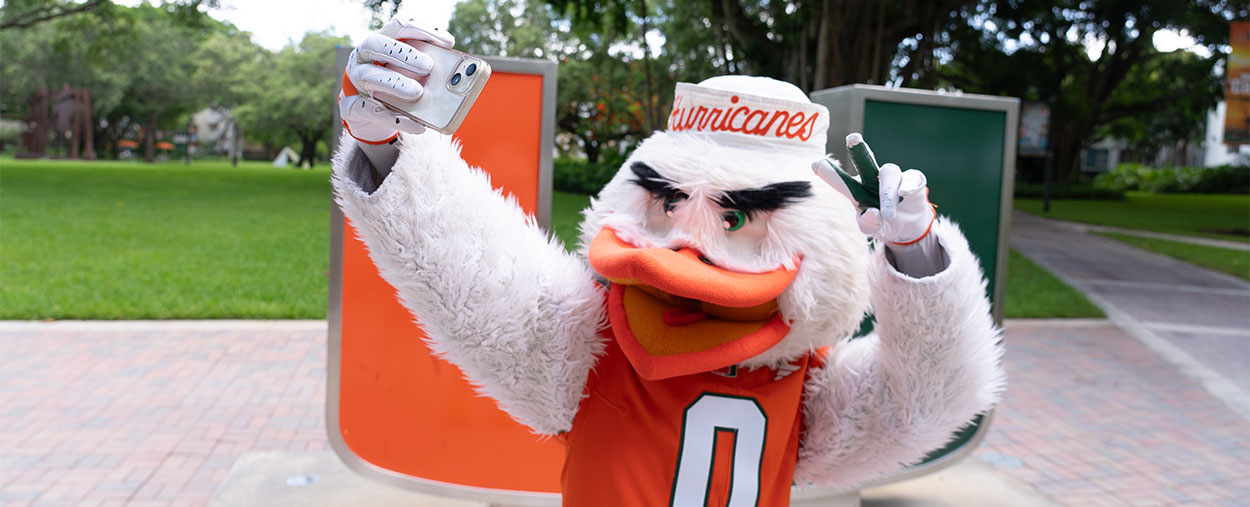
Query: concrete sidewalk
[(1196, 318), (1218, 243)]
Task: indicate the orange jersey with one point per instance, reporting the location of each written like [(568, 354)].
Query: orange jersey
[(724, 438)]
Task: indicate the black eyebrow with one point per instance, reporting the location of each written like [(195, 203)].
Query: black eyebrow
[(767, 198), (647, 178)]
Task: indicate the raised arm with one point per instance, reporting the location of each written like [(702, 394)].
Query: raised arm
[(884, 401), (495, 295)]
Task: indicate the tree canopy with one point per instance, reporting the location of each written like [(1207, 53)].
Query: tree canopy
[(295, 95), (135, 61), (1092, 61), (150, 67), (1095, 64)]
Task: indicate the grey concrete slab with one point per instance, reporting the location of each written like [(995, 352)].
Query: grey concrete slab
[(302, 479), (1218, 243), (1227, 354), (1177, 306), (1068, 249), (320, 479)]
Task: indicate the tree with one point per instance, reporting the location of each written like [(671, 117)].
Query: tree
[(161, 90), (600, 93), (814, 45), (135, 62), (295, 97), (27, 13), (520, 28), (1085, 58), (225, 65), (1163, 102), (382, 10)]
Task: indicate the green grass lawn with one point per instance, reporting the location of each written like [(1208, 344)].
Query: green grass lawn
[(566, 215), (1226, 260), (1033, 293), (1220, 216), (127, 240)]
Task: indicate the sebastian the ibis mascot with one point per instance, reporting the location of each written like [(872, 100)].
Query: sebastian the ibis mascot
[(698, 348)]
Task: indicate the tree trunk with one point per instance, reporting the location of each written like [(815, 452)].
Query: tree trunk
[(591, 149), (89, 141), (878, 31), (234, 143), (308, 150), (821, 78), (149, 139), (651, 114), (1067, 153)]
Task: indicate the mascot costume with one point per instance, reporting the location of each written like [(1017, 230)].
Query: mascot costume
[(698, 349)]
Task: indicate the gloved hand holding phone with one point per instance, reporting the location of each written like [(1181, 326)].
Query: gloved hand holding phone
[(384, 68), (406, 78)]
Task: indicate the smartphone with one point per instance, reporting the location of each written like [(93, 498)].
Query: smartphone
[(450, 90)]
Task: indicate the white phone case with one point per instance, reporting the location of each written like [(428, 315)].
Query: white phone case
[(443, 105)]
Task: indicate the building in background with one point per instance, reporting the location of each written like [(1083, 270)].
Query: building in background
[(216, 133)]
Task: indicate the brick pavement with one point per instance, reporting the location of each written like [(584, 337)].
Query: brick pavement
[(1094, 417), (156, 414), (151, 413)]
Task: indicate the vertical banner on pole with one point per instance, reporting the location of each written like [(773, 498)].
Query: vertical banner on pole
[(1237, 87), (394, 412)]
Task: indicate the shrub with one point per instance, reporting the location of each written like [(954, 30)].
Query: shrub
[(582, 177), (1225, 179), (10, 135)]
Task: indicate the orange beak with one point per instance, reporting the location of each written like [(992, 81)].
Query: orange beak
[(674, 313), (682, 273)]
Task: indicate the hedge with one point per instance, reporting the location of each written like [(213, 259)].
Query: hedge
[(582, 177), (1225, 179)]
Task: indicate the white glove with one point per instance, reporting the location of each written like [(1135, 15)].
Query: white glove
[(384, 66), (905, 215)]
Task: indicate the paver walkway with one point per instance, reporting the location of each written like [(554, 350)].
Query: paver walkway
[(151, 413), (156, 413), (1094, 417)]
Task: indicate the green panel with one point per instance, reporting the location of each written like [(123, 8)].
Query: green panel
[(961, 152)]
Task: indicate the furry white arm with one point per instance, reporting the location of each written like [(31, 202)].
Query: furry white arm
[(883, 401), (923, 258), (382, 157), (495, 295)]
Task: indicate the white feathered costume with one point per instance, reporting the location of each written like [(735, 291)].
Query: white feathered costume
[(736, 280)]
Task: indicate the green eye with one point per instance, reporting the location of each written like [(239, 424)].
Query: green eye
[(734, 220)]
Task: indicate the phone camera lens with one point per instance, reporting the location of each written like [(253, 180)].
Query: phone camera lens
[(468, 71), (455, 79)]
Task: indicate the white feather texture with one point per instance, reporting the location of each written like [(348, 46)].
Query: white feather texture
[(496, 296), (828, 297), (882, 402), (522, 318)]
